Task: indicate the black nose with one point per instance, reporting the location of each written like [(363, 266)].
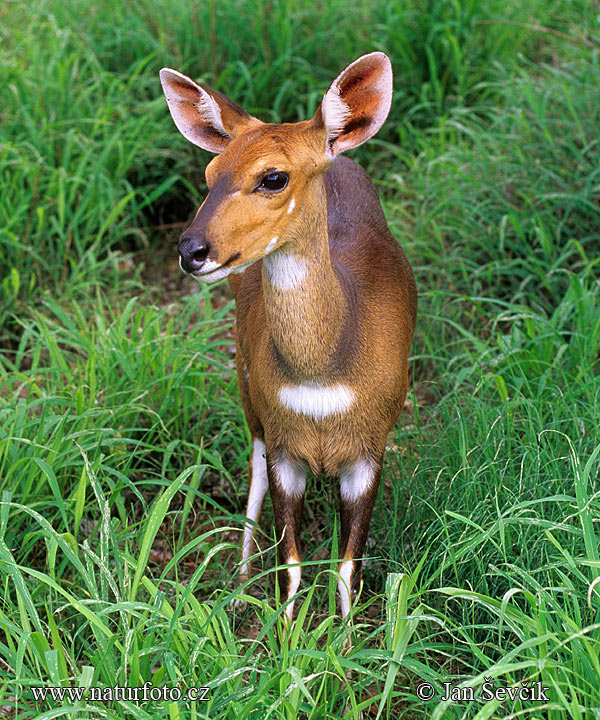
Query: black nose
[(193, 250)]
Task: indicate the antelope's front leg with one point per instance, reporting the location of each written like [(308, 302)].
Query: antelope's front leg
[(287, 484), (358, 490), (256, 494)]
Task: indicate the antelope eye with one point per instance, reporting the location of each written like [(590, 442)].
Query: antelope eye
[(274, 181)]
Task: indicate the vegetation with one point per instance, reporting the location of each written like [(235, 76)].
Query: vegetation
[(123, 449)]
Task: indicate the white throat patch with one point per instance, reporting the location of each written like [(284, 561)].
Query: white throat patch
[(285, 271)]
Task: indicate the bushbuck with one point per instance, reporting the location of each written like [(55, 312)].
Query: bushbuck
[(325, 299)]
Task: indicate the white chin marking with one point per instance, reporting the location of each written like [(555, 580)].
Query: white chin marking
[(315, 400), (291, 477), (256, 495), (210, 271), (271, 245), (285, 271), (344, 585), (357, 479), (211, 277), (209, 266)]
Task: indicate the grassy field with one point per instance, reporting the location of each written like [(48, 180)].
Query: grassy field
[(123, 448)]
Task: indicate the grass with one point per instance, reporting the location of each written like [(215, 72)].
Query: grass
[(123, 449)]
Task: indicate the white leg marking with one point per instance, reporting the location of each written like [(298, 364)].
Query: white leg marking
[(317, 401), (285, 271), (291, 477), (291, 206), (294, 573), (258, 489), (344, 585), (356, 480), (272, 244)]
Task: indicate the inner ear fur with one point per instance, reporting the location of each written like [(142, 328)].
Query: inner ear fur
[(205, 117), (357, 103)]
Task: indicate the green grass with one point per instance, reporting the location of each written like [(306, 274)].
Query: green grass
[(123, 448)]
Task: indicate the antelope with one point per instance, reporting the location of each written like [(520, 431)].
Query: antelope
[(325, 298)]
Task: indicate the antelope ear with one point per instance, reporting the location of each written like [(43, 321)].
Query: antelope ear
[(357, 102), (203, 116)]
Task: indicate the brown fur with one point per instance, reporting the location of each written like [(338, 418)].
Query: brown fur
[(350, 321), (370, 353)]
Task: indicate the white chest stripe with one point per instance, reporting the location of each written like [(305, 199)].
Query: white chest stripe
[(316, 401)]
